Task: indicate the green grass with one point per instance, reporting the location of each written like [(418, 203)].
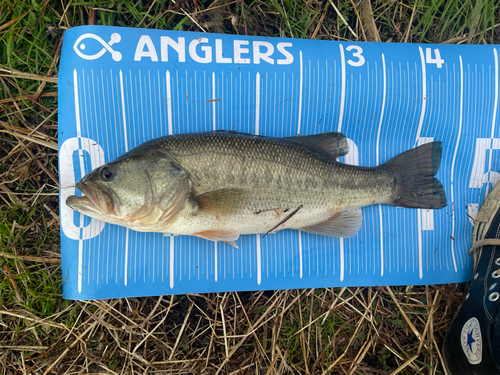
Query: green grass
[(444, 20), (289, 331)]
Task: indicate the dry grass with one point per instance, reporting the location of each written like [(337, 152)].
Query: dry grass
[(346, 330)]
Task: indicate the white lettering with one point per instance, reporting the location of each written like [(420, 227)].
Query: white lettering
[(140, 52), (218, 53), (288, 56), (358, 54), (238, 51), (179, 46), (257, 55), (207, 58), (242, 52)]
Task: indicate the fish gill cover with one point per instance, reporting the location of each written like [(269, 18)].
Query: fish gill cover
[(119, 87)]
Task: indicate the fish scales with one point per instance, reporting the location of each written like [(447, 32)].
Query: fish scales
[(275, 170)]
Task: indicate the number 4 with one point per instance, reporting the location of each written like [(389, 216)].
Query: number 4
[(429, 60)]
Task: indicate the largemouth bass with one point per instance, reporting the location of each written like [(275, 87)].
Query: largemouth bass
[(219, 185)]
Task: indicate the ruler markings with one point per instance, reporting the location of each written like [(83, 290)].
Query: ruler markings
[(115, 146), (204, 101), (151, 108), (453, 164), (216, 255), (420, 213), (231, 95), (163, 260), (86, 112), (124, 116), (339, 129), (362, 261), (286, 100), (98, 121), (399, 119), (347, 115), (493, 121), (126, 255), (141, 109), (147, 250), (107, 107), (286, 250), (363, 88), (437, 229), (160, 115), (318, 94), (80, 158), (448, 104), (390, 93), (216, 263), (371, 254), (171, 249), (177, 120), (326, 95), (92, 113), (257, 119), (301, 88), (424, 92), (213, 102), (171, 263), (384, 94), (309, 92), (343, 84), (309, 99)]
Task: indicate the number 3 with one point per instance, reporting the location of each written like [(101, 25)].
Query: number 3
[(359, 51)]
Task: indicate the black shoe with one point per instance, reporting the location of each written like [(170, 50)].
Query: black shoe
[(472, 344)]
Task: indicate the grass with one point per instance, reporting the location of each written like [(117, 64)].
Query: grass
[(348, 330)]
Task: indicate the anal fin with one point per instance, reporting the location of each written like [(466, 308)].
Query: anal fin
[(342, 224), (228, 236), (232, 243)]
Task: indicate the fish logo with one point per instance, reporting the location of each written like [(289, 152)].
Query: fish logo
[(79, 46), (472, 343)]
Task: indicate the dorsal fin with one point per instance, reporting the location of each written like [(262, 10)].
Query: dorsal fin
[(332, 144)]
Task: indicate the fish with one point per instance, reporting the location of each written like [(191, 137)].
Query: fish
[(222, 184)]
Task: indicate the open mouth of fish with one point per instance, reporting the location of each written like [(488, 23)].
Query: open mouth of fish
[(95, 199)]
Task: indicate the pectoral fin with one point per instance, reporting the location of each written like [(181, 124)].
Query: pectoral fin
[(342, 224), (228, 236), (221, 201)]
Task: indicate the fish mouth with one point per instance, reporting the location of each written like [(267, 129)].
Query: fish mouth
[(97, 200)]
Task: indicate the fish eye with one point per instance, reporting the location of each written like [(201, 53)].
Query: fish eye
[(106, 174)]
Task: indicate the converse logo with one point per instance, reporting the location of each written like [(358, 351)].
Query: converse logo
[(472, 343)]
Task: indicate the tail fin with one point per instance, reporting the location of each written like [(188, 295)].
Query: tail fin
[(416, 186)]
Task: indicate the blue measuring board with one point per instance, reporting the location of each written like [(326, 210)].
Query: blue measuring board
[(119, 87)]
